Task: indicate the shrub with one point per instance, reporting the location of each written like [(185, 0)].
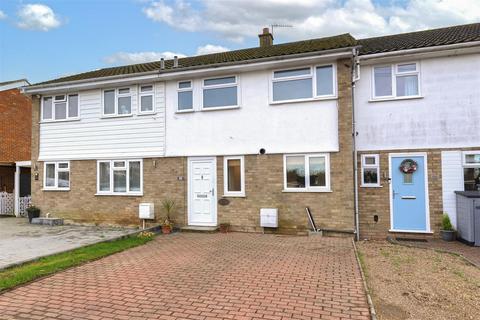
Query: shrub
[(446, 224)]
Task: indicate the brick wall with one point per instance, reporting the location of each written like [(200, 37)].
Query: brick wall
[(15, 126)]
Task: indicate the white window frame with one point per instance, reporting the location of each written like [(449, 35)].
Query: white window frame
[(307, 188), (395, 73), (57, 170), (312, 75), (66, 101), (125, 168), (186, 90), (146, 94), (468, 165), (117, 95), (217, 86), (370, 166), (226, 192)]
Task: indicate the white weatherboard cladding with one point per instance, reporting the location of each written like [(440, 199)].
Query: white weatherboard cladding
[(448, 115), (95, 137), (452, 180), (281, 128)]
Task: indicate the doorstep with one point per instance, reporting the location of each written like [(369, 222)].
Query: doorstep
[(204, 229)]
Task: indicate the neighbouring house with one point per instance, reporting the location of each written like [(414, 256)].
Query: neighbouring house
[(282, 126), (15, 137)]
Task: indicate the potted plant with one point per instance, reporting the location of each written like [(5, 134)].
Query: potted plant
[(167, 222), (33, 212), (447, 232), (224, 227)]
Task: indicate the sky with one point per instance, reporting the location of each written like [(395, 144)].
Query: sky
[(46, 39)]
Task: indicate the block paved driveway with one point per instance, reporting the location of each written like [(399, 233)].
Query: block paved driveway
[(204, 276)]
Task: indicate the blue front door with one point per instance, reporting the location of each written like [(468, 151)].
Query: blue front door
[(408, 195)]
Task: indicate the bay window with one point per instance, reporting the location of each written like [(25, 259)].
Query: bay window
[(310, 172), (122, 177), (60, 107), (396, 81), (56, 176)]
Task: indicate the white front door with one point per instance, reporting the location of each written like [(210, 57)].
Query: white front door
[(202, 204)]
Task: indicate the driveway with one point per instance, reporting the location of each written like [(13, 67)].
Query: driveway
[(21, 241), (204, 276)]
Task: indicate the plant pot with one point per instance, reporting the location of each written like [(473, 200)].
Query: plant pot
[(224, 228), (33, 213), (447, 235), (166, 229)]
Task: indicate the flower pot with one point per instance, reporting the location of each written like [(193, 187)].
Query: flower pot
[(33, 213), (447, 235), (224, 228), (166, 229)]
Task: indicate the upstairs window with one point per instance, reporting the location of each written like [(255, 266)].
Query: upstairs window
[(146, 98), (56, 176), (117, 102), (471, 170), (303, 83), (220, 92), (185, 96), (60, 107), (397, 80), (370, 170)]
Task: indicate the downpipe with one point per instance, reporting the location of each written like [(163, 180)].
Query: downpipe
[(355, 78)]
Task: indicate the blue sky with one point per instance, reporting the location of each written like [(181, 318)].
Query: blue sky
[(41, 40)]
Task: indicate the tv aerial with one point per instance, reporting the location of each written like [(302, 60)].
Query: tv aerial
[(279, 25)]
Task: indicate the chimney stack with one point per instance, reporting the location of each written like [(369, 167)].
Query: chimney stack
[(266, 38)]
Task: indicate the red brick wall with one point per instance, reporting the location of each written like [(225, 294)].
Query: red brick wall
[(15, 126)]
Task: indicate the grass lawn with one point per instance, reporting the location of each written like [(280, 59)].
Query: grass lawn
[(413, 283), (27, 272)]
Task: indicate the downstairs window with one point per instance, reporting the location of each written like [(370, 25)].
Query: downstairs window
[(120, 177)]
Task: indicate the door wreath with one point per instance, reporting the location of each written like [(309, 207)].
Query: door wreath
[(408, 166)]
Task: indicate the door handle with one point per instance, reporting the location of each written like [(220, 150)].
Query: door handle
[(212, 191), (394, 193)]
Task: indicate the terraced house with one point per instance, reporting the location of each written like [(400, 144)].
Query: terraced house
[(323, 124)]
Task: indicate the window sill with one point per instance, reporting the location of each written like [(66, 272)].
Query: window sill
[(120, 194), (395, 98), (152, 113), (63, 120), (55, 189), (226, 195), (116, 116), (307, 191), (371, 186), (185, 111), (220, 108), (304, 100)]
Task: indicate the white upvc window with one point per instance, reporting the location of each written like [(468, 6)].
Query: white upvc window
[(306, 83), (146, 98), (400, 80), (185, 96), (60, 107), (234, 176), (221, 92), (117, 102), (307, 172), (471, 170), (56, 175), (370, 170), (120, 177)]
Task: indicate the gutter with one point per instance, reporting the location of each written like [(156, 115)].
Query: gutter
[(170, 73), (466, 45)]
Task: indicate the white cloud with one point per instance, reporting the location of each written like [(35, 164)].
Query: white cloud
[(139, 57), (210, 48), (310, 18), (2, 15), (37, 17)]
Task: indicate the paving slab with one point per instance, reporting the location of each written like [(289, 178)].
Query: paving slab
[(204, 276), (21, 241)]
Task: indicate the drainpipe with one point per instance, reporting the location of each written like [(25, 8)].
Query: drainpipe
[(355, 78)]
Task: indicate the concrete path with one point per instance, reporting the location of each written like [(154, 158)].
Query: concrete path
[(205, 277), (20, 241)]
